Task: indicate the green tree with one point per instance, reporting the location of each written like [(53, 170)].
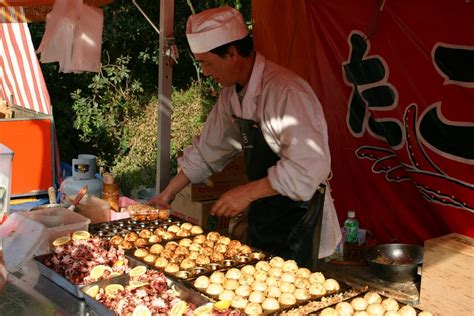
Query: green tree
[(109, 114)]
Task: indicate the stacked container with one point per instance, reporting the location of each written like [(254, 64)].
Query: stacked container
[(6, 158)]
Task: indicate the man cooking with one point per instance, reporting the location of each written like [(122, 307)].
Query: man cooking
[(275, 117)]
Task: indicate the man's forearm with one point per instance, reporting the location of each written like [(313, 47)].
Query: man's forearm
[(260, 189), (175, 186)]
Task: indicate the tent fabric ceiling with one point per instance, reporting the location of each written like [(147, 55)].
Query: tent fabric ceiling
[(36, 10)]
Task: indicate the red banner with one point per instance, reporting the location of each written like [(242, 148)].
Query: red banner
[(396, 80)]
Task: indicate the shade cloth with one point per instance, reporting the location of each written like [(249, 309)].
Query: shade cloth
[(395, 79), (21, 78)]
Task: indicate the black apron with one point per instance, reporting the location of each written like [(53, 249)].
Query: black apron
[(277, 224)]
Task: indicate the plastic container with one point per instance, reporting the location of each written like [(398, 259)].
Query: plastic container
[(58, 222), (6, 157), (21, 238), (111, 191), (143, 212)]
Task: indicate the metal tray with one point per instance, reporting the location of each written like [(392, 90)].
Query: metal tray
[(74, 289), (107, 230), (283, 309), (189, 275), (185, 294), (362, 295)]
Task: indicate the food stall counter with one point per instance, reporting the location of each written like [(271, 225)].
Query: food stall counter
[(27, 292)]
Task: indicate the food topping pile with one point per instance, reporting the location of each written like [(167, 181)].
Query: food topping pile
[(84, 260), (147, 292)]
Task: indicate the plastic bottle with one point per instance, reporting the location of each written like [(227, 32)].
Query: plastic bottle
[(351, 233)]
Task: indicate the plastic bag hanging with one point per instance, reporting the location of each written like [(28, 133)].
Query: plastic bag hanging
[(73, 37)]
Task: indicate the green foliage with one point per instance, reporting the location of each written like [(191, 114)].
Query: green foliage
[(113, 114), (138, 166), (190, 110), (102, 111)]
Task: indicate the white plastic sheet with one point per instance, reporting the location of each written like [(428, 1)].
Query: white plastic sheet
[(73, 37)]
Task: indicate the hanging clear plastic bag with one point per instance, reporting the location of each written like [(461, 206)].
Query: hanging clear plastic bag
[(73, 37)]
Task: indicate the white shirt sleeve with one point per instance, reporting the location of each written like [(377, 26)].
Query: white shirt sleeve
[(294, 126), (217, 145)]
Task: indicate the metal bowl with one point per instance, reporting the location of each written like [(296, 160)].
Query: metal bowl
[(395, 262)]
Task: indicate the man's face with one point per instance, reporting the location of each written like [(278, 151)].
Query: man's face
[(221, 69)]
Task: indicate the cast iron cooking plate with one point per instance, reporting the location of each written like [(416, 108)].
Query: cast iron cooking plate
[(402, 261)]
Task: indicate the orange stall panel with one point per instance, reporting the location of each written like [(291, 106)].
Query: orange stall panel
[(31, 141)]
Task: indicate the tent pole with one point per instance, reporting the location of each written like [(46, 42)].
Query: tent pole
[(164, 94)]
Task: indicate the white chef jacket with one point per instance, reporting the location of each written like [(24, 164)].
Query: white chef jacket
[(293, 124)]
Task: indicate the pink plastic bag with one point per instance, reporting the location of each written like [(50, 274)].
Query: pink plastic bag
[(73, 37)]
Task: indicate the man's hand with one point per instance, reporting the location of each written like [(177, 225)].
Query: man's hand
[(236, 200), (232, 203), (167, 196), (161, 200)]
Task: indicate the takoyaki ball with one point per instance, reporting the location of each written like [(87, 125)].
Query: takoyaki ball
[(171, 245), (200, 239), (126, 245), (187, 264), (245, 250), (317, 277), (290, 266), (246, 279), (181, 250), (202, 282), (185, 242), (195, 247), (173, 228), (154, 239), (223, 240), (140, 242), (277, 262), (208, 251), (195, 230), (150, 258), (235, 244), (303, 273), (161, 262), (203, 260), (145, 233), (233, 273), (217, 257), (172, 268), (217, 277), (168, 235), (116, 240), (140, 253), (213, 236), (183, 233), (186, 226), (156, 249), (220, 248), (159, 231), (131, 236)]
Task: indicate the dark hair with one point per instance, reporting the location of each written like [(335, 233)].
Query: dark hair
[(244, 47)]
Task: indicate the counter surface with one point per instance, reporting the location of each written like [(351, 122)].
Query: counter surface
[(27, 292)]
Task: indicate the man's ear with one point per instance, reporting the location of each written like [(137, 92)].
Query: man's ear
[(232, 52)]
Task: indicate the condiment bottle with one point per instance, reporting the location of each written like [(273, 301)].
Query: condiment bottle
[(351, 233), (111, 191)]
